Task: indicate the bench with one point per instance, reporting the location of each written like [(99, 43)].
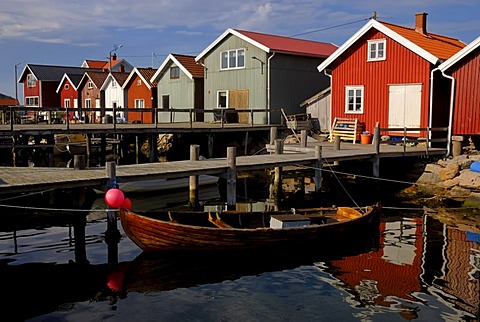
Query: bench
[(346, 129)]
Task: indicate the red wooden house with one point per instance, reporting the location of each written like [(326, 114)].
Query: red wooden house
[(89, 94), (68, 90), (141, 93), (462, 71), (382, 74)]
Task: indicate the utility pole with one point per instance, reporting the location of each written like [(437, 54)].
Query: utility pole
[(115, 47), (16, 86)]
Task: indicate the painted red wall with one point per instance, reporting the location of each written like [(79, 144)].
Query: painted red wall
[(402, 66), (141, 91), (466, 119), (69, 93)]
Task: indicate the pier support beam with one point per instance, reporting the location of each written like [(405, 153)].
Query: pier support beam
[(273, 134), (276, 185), (193, 180), (318, 168), (376, 167), (303, 138), (210, 145), (231, 177)]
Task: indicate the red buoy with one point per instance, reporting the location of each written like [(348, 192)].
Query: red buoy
[(114, 198)]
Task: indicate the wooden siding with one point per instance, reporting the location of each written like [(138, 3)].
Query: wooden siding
[(70, 94), (249, 78), (181, 92), (293, 80), (466, 118), (402, 66), (135, 91), (50, 97)]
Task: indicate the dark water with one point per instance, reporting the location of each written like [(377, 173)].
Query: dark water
[(412, 268)]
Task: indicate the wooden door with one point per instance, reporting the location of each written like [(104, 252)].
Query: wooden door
[(405, 103), (238, 99)]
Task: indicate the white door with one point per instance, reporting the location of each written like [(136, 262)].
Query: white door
[(404, 105)]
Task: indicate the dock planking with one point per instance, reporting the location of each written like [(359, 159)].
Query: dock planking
[(28, 179)]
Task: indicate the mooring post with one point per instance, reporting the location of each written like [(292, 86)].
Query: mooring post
[(112, 235), (376, 166), (277, 181), (210, 145), (303, 138), (336, 144), (318, 168), (231, 177), (193, 180), (376, 139), (273, 134)]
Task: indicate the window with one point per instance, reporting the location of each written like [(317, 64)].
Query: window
[(67, 87), (31, 80), (90, 84), (31, 101), (174, 72), (376, 49), (114, 84), (354, 100), (139, 82), (139, 103), (88, 103), (66, 103), (232, 59)]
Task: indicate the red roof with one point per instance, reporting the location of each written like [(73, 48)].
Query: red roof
[(291, 45), (190, 64)]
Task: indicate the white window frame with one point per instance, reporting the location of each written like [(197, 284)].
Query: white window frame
[(31, 80), (66, 103), (31, 101), (139, 103), (139, 82), (114, 84), (90, 84), (88, 103), (229, 59), (174, 72), (347, 99), (373, 48)]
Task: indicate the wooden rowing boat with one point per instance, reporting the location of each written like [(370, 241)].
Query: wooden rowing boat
[(232, 230)]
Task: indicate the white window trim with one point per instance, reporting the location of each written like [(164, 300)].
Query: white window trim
[(27, 98), (236, 59), (222, 91), (90, 84), (66, 102), (354, 88), (138, 100), (376, 42), (89, 100), (31, 80)]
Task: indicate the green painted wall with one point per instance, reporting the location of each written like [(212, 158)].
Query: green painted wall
[(181, 91)]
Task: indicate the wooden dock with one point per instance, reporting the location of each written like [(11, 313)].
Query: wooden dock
[(27, 179)]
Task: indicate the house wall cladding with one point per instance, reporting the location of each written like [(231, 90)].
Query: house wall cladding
[(249, 78), (294, 79), (467, 95), (181, 95), (141, 91), (70, 94), (402, 66), (50, 97)]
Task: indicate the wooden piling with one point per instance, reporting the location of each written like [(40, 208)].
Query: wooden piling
[(231, 177), (273, 134), (112, 234), (193, 180), (318, 168), (79, 162), (276, 187), (303, 138)]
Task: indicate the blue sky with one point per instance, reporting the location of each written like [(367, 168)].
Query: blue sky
[(66, 33)]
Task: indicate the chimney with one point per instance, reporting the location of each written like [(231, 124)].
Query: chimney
[(421, 23), (114, 56)]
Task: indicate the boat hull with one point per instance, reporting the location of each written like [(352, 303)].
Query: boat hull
[(151, 234)]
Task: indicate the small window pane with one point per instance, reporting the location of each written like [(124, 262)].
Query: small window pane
[(241, 58), (224, 59), (232, 59)]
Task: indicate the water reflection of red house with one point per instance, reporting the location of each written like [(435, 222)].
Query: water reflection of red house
[(392, 271)]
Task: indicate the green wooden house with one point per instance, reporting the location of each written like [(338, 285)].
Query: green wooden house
[(179, 86), (257, 74)]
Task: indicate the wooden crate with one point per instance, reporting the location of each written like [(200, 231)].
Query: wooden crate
[(346, 128)]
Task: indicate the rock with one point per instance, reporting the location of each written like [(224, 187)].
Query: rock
[(430, 184), (451, 183), (458, 193), (473, 201), (450, 171), (469, 180), (433, 168)]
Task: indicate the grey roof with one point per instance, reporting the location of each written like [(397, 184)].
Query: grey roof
[(75, 78), (3, 96), (54, 73)]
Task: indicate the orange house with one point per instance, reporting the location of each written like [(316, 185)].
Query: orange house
[(141, 94)]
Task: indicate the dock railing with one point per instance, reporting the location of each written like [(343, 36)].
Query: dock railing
[(15, 115), (420, 136)]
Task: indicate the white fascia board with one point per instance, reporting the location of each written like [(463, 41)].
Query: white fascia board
[(106, 82), (23, 72), (160, 69), (385, 30), (135, 71), (184, 70), (459, 55), (224, 35), (60, 85)]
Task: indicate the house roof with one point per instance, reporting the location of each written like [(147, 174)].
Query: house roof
[(74, 79), (186, 63), (433, 48), (460, 55), (100, 64), (50, 72), (95, 76), (6, 100), (145, 75), (273, 43), (120, 77)]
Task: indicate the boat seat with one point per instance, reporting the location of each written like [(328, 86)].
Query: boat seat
[(217, 221)]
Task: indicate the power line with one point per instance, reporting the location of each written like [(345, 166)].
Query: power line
[(332, 27)]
